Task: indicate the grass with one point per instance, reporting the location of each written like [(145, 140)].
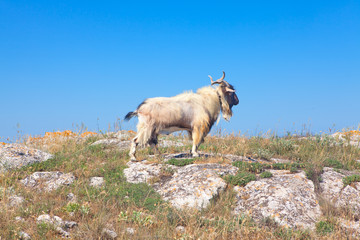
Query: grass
[(240, 179), (324, 227), (122, 204), (180, 162), (266, 175), (351, 179)]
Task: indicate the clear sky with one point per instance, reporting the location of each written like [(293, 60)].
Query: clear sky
[(67, 63)]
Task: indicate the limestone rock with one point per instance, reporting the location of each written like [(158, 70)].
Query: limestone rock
[(71, 197), (352, 139), (114, 142), (190, 186), (19, 219), (57, 223), (287, 198), (123, 143), (44, 218), (130, 231), (342, 197), (16, 155), (24, 236), (70, 224), (194, 185), (180, 229), (122, 135), (139, 172), (97, 182), (170, 143), (352, 228), (15, 201), (62, 232), (108, 234), (48, 181)]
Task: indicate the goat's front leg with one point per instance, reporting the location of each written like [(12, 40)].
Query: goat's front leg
[(197, 139)]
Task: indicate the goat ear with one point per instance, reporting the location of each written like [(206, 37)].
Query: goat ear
[(229, 89)]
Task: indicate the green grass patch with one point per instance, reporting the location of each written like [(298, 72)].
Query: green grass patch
[(249, 167), (286, 166), (324, 227), (181, 162), (266, 175), (350, 179), (240, 179), (330, 162), (125, 193)]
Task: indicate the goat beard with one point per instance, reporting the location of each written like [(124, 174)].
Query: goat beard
[(226, 111)]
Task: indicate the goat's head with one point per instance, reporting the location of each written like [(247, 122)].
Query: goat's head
[(227, 96)]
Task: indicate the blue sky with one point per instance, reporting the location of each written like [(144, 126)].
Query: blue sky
[(67, 63)]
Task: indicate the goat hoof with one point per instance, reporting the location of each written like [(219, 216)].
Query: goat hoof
[(195, 155)]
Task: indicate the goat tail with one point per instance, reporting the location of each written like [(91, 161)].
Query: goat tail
[(130, 115)]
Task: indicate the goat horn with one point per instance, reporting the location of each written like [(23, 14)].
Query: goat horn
[(219, 81)]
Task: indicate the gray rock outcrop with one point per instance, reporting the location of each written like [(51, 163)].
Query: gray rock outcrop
[(190, 186), (139, 172), (48, 181), (60, 226), (333, 189), (16, 155), (287, 198)]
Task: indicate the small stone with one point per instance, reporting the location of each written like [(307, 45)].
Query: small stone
[(24, 236), (180, 229), (130, 231), (15, 201), (61, 231), (58, 222), (97, 182), (109, 234), (70, 224), (45, 218), (71, 197), (19, 219)]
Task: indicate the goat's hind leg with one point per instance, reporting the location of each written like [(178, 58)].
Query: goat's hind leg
[(133, 146), (153, 144)]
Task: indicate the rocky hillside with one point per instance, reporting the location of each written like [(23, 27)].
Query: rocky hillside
[(81, 186)]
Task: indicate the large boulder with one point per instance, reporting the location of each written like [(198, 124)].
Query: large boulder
[(194, 185), (190, 186), (341, 196), (15, 155), (289, 199)]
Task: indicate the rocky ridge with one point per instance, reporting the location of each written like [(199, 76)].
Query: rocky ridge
[(287, 198)]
